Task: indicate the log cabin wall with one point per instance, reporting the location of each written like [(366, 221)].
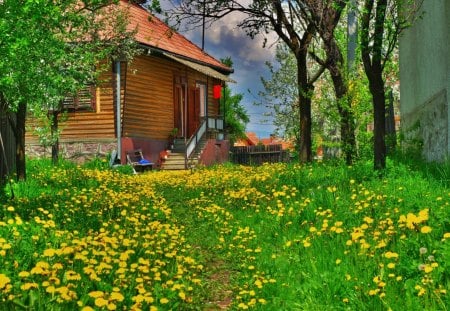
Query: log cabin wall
[(148, 107)]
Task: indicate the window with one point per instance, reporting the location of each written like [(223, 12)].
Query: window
[(85, 100)]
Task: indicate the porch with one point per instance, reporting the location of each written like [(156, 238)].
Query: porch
[(206, 146)]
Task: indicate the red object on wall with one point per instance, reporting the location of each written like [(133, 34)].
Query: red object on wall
[(217, 91)]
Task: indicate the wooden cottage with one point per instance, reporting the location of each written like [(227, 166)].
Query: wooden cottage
[(165, 102)]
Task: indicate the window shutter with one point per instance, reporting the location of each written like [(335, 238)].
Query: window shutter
[(85, 100)]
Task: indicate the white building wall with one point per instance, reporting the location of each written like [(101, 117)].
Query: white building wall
[(425, 80)]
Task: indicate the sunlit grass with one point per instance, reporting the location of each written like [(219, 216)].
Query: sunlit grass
[(274, 237)]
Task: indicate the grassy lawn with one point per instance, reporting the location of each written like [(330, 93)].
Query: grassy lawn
[(275, 237)]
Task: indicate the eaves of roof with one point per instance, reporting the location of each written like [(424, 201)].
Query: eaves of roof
[(201, 68)]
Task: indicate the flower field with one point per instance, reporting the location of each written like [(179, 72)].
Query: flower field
[(274, 237)]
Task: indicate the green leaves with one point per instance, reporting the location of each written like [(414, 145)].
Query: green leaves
[(51, 48)]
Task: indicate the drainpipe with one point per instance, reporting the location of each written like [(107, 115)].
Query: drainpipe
[(118, 112)]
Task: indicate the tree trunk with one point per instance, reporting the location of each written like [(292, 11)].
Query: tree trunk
[(20, 141), (54, 135), (379, 118), (304, 89), (347, 123), (371, 53)]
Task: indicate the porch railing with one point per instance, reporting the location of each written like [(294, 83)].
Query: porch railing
[(207, 123)]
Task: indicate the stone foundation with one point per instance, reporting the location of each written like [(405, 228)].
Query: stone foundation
[(78, 152)]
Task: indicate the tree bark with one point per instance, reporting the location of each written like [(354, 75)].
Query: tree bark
[(347, 123), (371, 53), (379, 118), (305, 89), (19, 131), (54, 133)]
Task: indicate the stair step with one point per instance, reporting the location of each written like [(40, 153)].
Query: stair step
[(176, 158)]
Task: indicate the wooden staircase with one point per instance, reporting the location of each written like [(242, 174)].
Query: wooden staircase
[(176, 158)]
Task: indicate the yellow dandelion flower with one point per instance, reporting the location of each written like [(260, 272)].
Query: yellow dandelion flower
[(391, 265), (96, 294), (72, 276), (101, 302), (258, 284), (389, 255), (373, 292), (28, 286), (51, 289), (111, 306), (116, 296), (338, 261), (425, 229), (4, 280), (423, 215), (446, 235), (24, 274), (182, 295), (87, 308), (50, 252), (368, 220), (164, 301)]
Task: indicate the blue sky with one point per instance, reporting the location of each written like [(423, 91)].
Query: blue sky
[(224, 39)]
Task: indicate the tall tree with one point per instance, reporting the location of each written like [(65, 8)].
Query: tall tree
[(280, 94), (326, 15), (381, 23), (235, 115), (52, 49), (288, 20)]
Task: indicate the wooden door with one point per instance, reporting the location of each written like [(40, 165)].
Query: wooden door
[(193, 113), (179, 109)]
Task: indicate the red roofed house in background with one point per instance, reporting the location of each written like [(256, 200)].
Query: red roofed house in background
[(252, 139), (164, 97)]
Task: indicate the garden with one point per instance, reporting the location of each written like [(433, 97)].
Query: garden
[(322, 236)]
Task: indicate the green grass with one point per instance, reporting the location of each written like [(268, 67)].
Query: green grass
[(323, 236)]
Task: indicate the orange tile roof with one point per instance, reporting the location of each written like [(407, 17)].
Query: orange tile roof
[(153, 32), (252, 137)]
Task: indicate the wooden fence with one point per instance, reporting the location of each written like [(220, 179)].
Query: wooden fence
[(257, 155), (8, 164)]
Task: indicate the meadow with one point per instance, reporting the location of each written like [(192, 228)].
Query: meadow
[(323, 236)]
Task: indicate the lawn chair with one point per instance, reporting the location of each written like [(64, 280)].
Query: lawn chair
[(137, 161)]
